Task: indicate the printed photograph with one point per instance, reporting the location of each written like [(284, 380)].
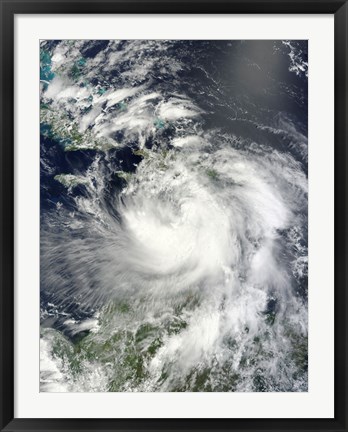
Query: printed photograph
[(173, 216)]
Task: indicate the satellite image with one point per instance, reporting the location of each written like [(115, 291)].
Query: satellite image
[(173, 215)]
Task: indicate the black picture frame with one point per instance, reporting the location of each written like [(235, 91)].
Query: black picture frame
[(8, 9)]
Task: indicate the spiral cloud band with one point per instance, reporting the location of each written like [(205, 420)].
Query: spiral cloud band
[(173, 216)]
